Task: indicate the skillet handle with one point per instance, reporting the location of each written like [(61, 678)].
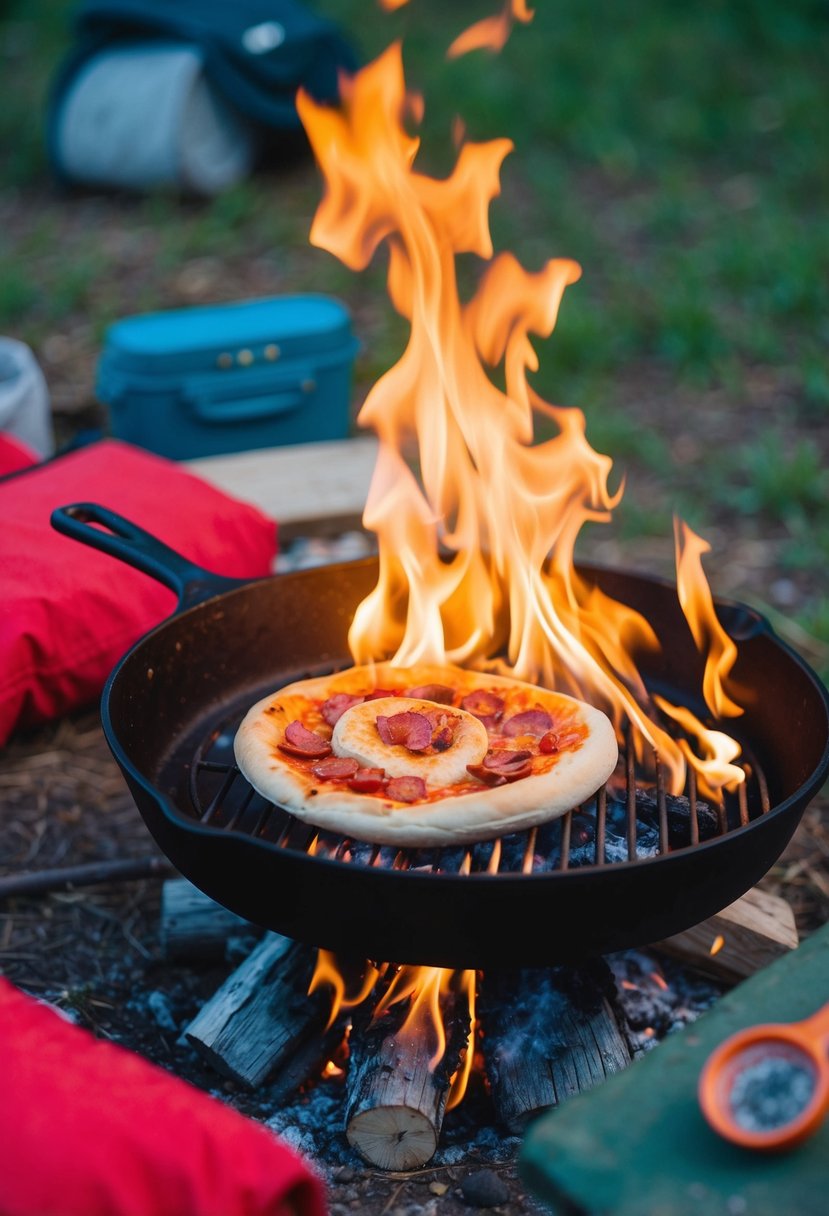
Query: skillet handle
[(131, 544)]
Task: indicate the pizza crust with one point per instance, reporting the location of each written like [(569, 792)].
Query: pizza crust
[(474, 812)]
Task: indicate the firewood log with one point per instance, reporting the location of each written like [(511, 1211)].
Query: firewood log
[(744, 938), (395, 1099), (547, 1034), (262, 1015), (194, 926)]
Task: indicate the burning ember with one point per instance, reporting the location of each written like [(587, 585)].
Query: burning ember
[(476, 521)]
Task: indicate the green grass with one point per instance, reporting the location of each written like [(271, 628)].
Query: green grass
[(677, 152)]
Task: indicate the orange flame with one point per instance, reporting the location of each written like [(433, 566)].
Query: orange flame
[(426, 989), (328, 972), (479, 557), (476, 547), (712, 763), (708, 633), (492, 32)]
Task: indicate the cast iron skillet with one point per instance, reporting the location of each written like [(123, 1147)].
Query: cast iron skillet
[(230, 642)]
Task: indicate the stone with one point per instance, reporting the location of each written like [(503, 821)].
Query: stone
[(484, 1189)]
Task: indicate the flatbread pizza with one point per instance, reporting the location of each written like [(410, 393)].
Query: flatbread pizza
[(424, 755)]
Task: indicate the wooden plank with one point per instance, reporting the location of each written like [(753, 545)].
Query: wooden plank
[(309, 488), (638, 1143), (745, 937)]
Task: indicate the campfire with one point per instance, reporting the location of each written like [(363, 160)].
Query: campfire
[(479, 496), (477, 568)]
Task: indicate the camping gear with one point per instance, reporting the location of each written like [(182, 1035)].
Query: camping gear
[(638, 1142), (229, 377), (186, 94), (24, 398), (232, 643), (91, 1129), (195, 141), (768, 1086), (67, 616)]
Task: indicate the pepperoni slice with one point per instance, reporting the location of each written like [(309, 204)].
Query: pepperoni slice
[(489, 722), (301, 742), (367, 780), (334, 768), (530, 722), (412, 730), (380, 692), (548, 743), (406, 789), (501, 757), (489, 776), (442, 693), (483, 704), (334, 708), (512, 766)]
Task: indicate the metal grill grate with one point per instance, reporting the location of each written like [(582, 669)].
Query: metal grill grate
[(625, 821)]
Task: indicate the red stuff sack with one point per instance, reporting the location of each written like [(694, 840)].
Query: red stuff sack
[(87, 1128), (67, 612), (15, 454)]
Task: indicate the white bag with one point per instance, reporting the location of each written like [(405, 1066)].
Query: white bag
[(24, 398), (142, 116)]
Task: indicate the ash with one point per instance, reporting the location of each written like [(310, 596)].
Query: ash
[(313, 1124), (657, 995)]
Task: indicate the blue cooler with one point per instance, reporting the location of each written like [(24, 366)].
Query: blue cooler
[(230, 377)]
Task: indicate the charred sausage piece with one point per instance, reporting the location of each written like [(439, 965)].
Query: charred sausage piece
[(512, 766), (367, 780), (409, 729), (334, 768), (441, 693), (334, 708), (406, 789), (530, 722), (305, 743), (489, 776), (483, 704)]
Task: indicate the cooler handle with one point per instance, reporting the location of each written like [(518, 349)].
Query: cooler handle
[(269, 402)]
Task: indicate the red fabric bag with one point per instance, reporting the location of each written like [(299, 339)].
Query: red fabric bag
[(90, 1129), (15, 454), (68, 612)]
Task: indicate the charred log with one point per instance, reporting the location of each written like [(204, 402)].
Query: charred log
[(262, 1016), (396, 1099), (548, 1034), (194, 926), (679, 814)]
